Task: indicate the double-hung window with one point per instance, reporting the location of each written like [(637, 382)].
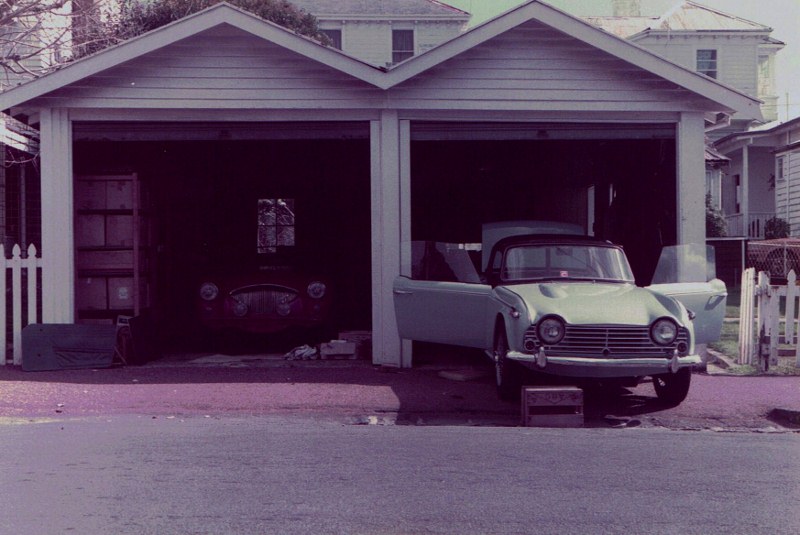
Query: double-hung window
[(707, 62), (402, 45)]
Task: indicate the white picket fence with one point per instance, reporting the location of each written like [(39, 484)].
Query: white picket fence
[(760, 320), (15, 298)]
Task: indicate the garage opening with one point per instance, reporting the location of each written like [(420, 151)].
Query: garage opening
[(286, 205), (618, 182)]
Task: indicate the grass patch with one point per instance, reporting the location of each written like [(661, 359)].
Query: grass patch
[(728, 343)]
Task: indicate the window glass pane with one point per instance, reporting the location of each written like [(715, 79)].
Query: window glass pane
[(707, 62), (335, 36), (402, 45), (276, 225)]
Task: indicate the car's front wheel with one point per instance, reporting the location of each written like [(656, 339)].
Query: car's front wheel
[(508, 373), (673, 388)]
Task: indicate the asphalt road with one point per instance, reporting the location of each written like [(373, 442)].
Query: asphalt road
[(240, 474)]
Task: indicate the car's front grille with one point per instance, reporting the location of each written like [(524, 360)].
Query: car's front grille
[(264, 299), (607, 341)]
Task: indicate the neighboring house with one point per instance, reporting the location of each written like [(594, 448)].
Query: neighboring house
[(535, 114), (735, 51), (385, 32), (763, 178), (739, 53)]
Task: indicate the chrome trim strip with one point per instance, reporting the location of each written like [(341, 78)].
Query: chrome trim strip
[(688, 360)]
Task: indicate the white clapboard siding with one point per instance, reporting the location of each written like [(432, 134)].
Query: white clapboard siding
[(214, 69), (540, 67), (18, 295), (737, 61)]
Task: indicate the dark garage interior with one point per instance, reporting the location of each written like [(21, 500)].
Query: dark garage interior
[(456, 186), (201, 200)]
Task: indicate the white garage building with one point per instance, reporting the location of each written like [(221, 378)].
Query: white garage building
[(535, 114)]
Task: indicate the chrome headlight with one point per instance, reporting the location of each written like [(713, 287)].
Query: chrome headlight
[(551, 330), (284, 308), (316, 290), (663, 331), (240, 309), (209, 291)]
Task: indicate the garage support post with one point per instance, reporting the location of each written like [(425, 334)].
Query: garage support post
[(58, 264), (691, 178), (390, 150)]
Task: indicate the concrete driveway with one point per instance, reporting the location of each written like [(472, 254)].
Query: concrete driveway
[(358, 392)]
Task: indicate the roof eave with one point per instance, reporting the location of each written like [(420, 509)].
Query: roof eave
[(171, 33), (731, 100)]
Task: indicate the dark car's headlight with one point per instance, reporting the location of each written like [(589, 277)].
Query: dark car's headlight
[(550, 330), (209, 291), (316, 290), (663, 331)]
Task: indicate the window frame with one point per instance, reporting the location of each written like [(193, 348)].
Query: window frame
[(336, 32), (402, 54), (707, 66)]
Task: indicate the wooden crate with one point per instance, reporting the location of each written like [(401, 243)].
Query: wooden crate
[(552, 406)]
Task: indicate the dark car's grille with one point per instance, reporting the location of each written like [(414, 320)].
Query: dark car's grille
[(264, 299), (607, 341)]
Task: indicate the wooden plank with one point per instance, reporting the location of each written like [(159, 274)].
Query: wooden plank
[(791, 296)]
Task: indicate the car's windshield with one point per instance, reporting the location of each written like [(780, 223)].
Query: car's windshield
[(565, 261)]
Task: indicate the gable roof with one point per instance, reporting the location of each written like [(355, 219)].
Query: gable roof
[(729, 99), (379, 8), (585, 32)]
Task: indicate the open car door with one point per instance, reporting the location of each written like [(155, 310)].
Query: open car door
[(444, 301), (688, 273)]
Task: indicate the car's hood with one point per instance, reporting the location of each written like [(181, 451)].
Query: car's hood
[(592, 303)]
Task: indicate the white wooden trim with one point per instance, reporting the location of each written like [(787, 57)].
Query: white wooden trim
[(58, 255), (386, 236), (406, 351), (216, 16), (730, 98), (691, 174)]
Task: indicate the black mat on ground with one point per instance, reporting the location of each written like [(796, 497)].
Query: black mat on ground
[(48, 347)]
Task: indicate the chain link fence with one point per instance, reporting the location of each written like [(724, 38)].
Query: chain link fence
[(777, 257)]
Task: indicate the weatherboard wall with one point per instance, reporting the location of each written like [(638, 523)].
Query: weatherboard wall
[(534, 67)]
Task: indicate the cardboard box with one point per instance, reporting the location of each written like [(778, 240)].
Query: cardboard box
[(91, 293), (104, 260), (90, 194), (337, 349), (120, 292), (90, 231), (363, 341), (552, 406), (119, 231), (119, 195)]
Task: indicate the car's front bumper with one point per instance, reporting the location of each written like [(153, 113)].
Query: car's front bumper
[(602, 367)]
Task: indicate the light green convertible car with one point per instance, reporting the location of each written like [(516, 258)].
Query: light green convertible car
[(565, 305)]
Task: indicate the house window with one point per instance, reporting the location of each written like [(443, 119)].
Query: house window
[(275, 224), (335, 36), (402, 45), (707, 62), (779, 173)]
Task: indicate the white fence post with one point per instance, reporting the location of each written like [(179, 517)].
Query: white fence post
[(16, 296), (746, 316), (17, 264)]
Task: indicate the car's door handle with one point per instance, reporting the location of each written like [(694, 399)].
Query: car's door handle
[(402, 292)]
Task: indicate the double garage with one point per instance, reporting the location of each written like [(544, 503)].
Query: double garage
[(201, 184), (222, 109)]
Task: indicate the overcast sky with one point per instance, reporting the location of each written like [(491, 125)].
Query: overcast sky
[(783, 16)]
